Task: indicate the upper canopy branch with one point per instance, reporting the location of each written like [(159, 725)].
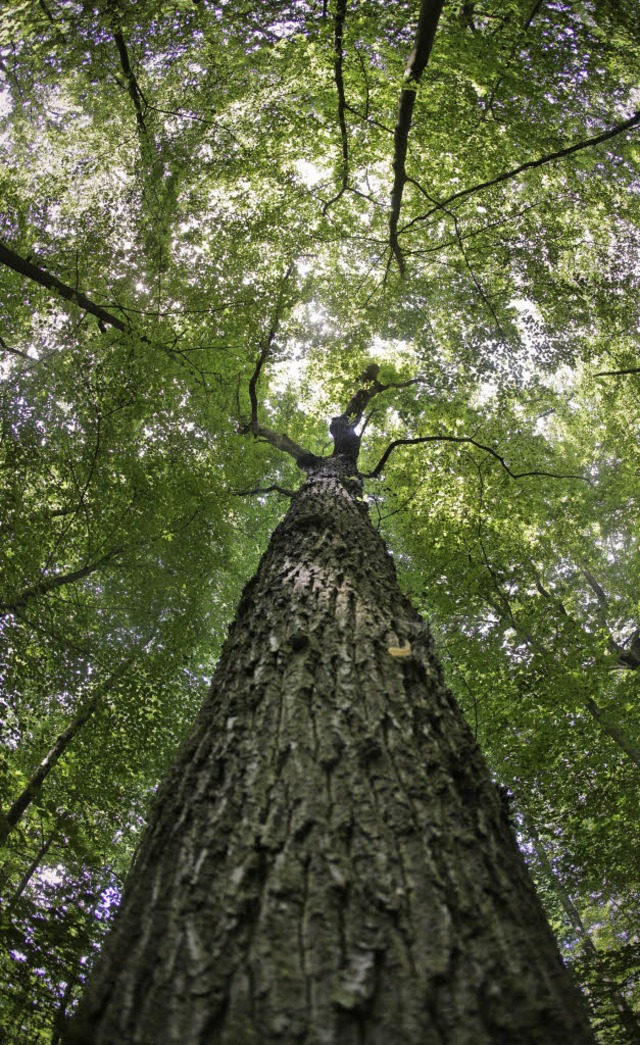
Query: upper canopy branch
[(341, 12), (133, 87), (302, 457), (464, 439), (360, 400), (428, 18), (618, 128), (45, 279)]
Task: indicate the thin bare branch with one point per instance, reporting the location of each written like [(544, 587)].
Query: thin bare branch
[(428, 18), (468, 440), (617, 373), (551, 157)]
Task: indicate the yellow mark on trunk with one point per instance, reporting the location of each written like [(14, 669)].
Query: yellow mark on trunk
[(400, 651)]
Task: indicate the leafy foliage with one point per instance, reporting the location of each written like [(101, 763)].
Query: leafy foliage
[(184, 166)]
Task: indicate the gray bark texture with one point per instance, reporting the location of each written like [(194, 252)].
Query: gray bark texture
[(329, 861)]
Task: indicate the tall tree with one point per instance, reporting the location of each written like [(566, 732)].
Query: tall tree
[(452, 190), (329, 859)]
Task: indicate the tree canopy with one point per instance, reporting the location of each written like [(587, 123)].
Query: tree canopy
[(215, 216)]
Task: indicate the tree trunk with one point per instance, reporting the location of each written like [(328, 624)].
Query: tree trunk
[(328, 861), (629, 1025)]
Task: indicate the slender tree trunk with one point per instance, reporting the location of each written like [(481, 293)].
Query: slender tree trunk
[(617, 735), (630, 1027), (19, 806), (32, 868), (328, 861)]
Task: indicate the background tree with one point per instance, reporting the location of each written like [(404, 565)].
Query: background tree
[(169, 162)]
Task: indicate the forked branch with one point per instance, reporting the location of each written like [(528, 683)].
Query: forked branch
[(618, 128), (360, 400)]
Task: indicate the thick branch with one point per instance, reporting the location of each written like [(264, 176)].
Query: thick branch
[(49, 584), (45, 279), (612, 731), (603, 605), (255, 377), (360, 400), (463, 439), (617, 373), (302, 457), (343, 428), (341, 11), (281, 441), (618, 128), (265, 489), (597, 589), (132, 84), (430, 11)]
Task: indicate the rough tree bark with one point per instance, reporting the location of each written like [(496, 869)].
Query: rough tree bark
[(329, 861)]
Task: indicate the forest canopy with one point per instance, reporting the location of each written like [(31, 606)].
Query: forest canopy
[(448, 193)]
